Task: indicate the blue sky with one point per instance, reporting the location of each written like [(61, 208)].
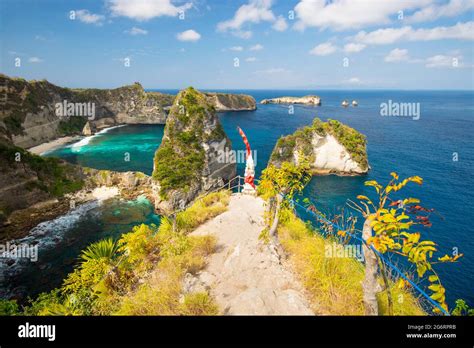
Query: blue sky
[(280, 44)]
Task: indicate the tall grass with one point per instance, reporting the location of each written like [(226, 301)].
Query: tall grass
[(141, 274), (162, 293), (334, 284)]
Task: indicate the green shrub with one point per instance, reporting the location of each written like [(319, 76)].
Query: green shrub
[(8, 307)]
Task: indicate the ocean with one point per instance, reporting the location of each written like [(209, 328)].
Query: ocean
[(436, 144)]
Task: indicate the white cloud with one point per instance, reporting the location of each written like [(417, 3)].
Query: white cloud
[(397, 55), (89, 18), (143, 10), (243, 34), (350, 14), (443, 61), (272, 71), (352, 81), (323, 49), (188, 35), (136, 31), (459, 31), (280, 24), (435, 11), (256, 47), (236, 48), (250, 59), (35, 60), (255, 11), (354, 47)]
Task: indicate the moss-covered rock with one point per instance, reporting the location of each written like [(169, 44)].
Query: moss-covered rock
[(331, 147), (186, 163)]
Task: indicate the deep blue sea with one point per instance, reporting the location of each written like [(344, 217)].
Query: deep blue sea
[(438, 147)]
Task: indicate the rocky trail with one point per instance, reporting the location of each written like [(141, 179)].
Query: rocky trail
[(244, 275)]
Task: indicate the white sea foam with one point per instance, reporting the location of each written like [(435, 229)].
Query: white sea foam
[(105, 130), (75, 147), (48, 234)]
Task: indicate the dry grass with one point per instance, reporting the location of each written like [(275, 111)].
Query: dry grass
[(162, 292), (334, 284)]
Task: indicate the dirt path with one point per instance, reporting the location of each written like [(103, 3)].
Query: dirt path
[(244, 275)]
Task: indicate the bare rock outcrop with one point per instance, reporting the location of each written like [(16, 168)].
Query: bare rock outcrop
[(307, 100)]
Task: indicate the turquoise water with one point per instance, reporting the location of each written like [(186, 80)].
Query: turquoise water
[(60, 242), (120, 149), (421, 147)]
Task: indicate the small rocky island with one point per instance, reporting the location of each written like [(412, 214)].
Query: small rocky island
[(307, 100), (331, 147)]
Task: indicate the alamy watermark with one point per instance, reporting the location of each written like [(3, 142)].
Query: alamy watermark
[(235, 156), (397, 109), (19, 251), (67, 109), (344, 251)]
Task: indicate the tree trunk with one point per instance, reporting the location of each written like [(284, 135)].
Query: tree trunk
[(276, 217), (387, 287), (370, 285)]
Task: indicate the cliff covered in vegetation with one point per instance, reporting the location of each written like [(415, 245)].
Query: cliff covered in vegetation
[(231, 102), (29, 109), (331, 147), (29, 116), (186, 163)]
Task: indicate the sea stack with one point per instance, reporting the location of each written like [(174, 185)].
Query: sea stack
[(331, 148), (193, 157)]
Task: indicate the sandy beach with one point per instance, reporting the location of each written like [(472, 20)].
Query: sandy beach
[(45, 147)]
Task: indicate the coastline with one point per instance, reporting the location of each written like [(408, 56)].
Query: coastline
[(51, 145), (72, 139)]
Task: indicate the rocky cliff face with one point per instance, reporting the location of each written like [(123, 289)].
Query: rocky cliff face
[(308, 100), (331, 148), (187, 161), (29, 109), (231, 102), (30, 116)]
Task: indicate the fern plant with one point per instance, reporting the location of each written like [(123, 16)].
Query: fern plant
[(103, 249)]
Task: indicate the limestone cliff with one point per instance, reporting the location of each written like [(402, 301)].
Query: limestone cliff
[(231, 102), (28, 115), (307, 100), (187, 161), (331, 147)]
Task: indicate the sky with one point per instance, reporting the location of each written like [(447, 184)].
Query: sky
[(249, 44)]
